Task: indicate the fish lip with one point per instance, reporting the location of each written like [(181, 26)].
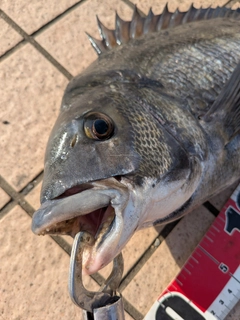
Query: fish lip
[(53, 211)]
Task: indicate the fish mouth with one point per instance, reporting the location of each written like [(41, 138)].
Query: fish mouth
[(95, 207)]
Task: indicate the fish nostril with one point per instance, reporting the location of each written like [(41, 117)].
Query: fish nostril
[(73, 141)]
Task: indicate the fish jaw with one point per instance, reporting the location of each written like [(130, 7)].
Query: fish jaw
[(133, 207), (63, 216)]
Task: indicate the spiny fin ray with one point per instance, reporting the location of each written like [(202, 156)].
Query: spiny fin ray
[(139, 25), (107, 35)]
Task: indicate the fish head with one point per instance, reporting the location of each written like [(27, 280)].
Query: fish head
[(110, 169), (90, 141)]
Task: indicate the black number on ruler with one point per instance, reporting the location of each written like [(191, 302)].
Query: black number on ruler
[(229, 291), (223, 267), (221, 301), (213, 312), (232, 220)]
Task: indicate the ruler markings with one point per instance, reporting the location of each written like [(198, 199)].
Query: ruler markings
[(212, 233), (181, 284), (198, 253), (211, 240), (215, 228), (194, 259), (221, 218), (189, 272)]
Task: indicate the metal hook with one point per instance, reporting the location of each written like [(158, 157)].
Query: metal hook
[(89, 300)]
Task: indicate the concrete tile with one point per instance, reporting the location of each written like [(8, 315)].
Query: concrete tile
[(8, 37), (4, 198), (66, 40), (33, 273), (133, 250), (31, 97), (220, 199), (183, 5), (33, 197), (167, 260), (32, 15)]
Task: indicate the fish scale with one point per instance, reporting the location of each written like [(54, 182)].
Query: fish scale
[(194, 69)]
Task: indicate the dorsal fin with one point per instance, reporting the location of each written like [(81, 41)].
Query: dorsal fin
[(139, 25), (225, 111)]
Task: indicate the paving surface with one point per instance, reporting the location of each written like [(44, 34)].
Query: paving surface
[(42, 45)]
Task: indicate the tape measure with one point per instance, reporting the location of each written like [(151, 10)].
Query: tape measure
[(208, 285)]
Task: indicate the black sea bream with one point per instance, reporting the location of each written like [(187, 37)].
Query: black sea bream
[(147, 132)]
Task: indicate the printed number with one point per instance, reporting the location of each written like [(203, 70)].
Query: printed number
[(221, 302), (229, 291), (223, 268), (213, 312), (232, 220)]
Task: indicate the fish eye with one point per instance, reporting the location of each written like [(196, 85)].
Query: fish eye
[(98, 126)]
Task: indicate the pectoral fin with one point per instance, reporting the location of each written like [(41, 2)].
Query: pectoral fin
[(225, 111)]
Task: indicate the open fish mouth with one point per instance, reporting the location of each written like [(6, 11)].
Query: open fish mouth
[(95, 207)]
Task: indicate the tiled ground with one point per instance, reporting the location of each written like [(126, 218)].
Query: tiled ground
[(42, 44)]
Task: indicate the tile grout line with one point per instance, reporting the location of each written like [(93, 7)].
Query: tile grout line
[(9, 52), (57, 18), (211, 208), (131, 310), (24, 192), (147, 255), (32, 184), (36, 45), (7, 207)]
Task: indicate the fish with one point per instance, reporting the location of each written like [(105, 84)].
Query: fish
[(148, 132)]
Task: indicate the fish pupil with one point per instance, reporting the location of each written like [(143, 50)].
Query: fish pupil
[(101, 126)]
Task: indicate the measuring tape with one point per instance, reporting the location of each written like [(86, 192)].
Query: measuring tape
[(208, 285)]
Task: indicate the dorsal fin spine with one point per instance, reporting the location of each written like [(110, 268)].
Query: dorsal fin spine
[(161, 17), (98, 45), (148, 25), (108, 36), (136, 25), (122, 30), (126, 30)]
